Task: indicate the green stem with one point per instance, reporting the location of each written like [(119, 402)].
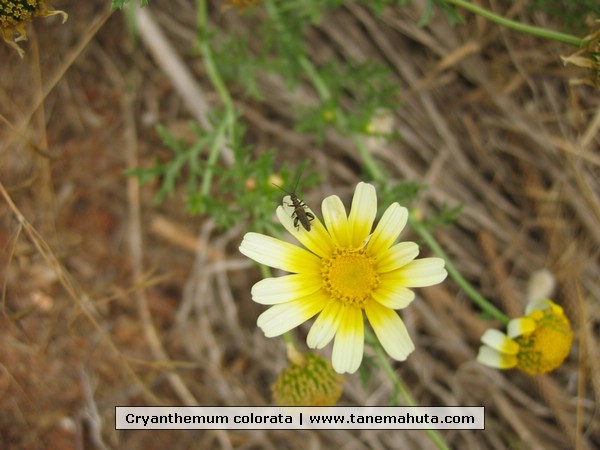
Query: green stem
[(518, 26), (324, 93), (265, 271), (288, 338), (400, 388), (471, 292), (315, 78), (227, 126), (213, 154), (207, 57), (369, 162)]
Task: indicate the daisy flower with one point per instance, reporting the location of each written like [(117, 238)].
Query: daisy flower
[(343, 271), (15, 14), (535, 344)]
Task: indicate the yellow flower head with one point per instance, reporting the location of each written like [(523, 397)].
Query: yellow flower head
[(536, 344), (308, 381), (15, 14), (344, 271)]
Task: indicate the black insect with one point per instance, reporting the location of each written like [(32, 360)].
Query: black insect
[(300, 214)]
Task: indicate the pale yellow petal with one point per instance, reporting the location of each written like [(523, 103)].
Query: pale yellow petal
[(490, 357), (418, 273), (388, 229), (326, 325), (271, 291), (362, 213), (279, 254), (541, 304), (393, 296), (397, 256), (520, 326), (349, 341), (500, 342), (285, 316), (317, 240), (390, 330), (334, 216)]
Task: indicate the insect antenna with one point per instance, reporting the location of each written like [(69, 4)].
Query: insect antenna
[(300, 215), (300, 172)]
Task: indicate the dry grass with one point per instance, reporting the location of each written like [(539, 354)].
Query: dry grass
[(110, 301)]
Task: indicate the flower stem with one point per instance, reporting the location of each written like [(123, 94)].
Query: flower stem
[(324, 94), (227, 126), (208, 60), (400, 388), (518, 26), (315, 78), (367, 158), (471, 292)]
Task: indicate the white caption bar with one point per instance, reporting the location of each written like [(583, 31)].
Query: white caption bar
[(298, 418)]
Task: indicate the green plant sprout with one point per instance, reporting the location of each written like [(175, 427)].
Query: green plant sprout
[(518, 26)]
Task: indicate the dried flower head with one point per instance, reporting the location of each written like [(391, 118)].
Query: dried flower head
[(309, 380), (588, 58), (15, 14)]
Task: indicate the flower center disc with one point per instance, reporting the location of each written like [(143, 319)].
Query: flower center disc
[(547, 347), (349, 276)]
